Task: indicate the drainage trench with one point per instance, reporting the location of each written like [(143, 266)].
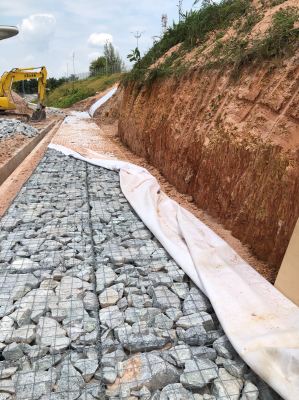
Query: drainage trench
[(93, 307)]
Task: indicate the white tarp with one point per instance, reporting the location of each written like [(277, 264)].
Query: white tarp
[(101, 101), (262, 324)]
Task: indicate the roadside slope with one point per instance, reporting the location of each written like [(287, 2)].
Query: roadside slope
[(230, 143)]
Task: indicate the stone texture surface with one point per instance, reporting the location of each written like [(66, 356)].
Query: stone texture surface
[(91, 305), (10, 127)]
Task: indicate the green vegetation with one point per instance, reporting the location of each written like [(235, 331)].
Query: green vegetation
[(69, 93), (278, 41), (109, 63), (216, 18)]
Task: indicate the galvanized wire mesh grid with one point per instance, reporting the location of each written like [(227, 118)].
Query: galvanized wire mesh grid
[(92, 306)]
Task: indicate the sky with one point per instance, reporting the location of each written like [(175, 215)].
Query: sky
[(51, 31)]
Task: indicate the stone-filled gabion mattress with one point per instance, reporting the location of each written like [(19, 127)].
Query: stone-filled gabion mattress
[(92, 307), (11, 127)]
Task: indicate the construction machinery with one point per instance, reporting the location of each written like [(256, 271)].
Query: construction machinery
[(22, 74)]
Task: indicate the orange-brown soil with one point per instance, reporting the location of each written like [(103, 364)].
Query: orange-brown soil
[(232, 146), (9, 146)]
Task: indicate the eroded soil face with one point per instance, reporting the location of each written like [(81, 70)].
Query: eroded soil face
[(232, 145)]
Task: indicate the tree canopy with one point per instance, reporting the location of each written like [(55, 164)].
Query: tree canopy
[(107, 64)]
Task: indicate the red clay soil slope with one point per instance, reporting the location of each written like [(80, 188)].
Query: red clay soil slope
[(232, 145)]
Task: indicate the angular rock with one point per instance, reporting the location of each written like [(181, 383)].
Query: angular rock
[(181, 289), (176, 273), (87, 368), (139, 301), (198, 373), (163, 298), (70, 382), (176, 391), (180, 354), (70, 286), (235, 367), (25, 334), (6, 329), (133, 315), (68, 310), (111, 317), (162, 322), (143, 342), (90, 301), (200, 318), (13, 352), (250, 391), (34, 384), (142, 234), (7, 386), (111, 359), (109, 375), (104, 277), (195, 336), (23, 265), (223, 347), (46, 362), (195, 302), (203, 352), (160, 278), (144, 369), (227, 387), (50, 333), (108, 297), (21, 316), (173, 313)]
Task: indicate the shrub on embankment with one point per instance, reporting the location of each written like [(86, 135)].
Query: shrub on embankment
[(71, 92)]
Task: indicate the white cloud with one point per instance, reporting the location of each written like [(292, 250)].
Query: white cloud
[(99, 39), (38, 29)]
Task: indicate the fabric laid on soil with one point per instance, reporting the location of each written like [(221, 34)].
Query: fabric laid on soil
[(101, 101), (260, 322)]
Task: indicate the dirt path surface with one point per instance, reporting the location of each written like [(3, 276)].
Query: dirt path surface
[(8, 147)]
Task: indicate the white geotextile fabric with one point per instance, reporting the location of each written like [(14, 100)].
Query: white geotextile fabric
[(101, 101), (260, 322)]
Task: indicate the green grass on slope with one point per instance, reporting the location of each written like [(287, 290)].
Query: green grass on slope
[(71, 92), (238, 16)]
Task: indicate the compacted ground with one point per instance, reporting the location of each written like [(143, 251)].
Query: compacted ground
[(92, 306)]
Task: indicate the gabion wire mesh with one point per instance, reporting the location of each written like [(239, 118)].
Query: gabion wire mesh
[(92, 306)]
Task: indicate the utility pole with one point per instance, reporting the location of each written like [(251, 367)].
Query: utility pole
[(74, 63), (137, 36), (73, 69), (67, 70), (180, 8)]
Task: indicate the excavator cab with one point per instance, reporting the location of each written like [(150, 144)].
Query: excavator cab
[(21, 74)]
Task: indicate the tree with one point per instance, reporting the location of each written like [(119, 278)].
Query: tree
[(114, 61), (97, 65)]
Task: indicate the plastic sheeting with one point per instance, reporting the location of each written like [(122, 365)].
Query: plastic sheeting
[(101, 101), (260, 322)]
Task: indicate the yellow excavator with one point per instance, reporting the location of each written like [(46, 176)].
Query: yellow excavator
[(22, 74)]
